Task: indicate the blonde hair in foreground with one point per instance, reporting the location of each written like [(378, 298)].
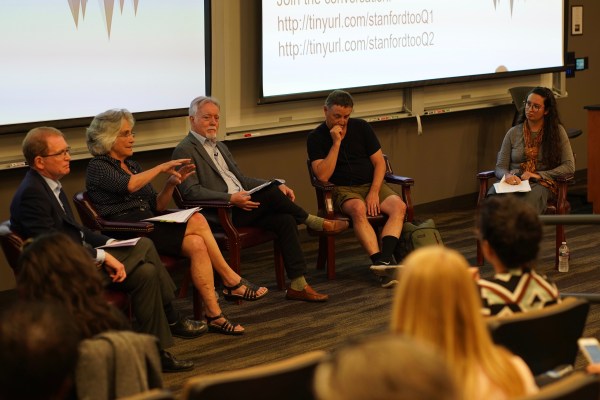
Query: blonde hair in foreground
[(436, 301)]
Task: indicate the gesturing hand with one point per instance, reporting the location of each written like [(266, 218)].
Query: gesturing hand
[(182, 174)]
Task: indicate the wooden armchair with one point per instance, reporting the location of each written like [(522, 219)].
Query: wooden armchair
[(12, 245), (121, 230), (556, 206), (233, 239), (324, 193)]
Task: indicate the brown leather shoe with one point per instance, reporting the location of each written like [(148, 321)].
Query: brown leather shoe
[(308, 294), (334, 226)]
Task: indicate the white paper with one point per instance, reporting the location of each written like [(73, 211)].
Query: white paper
[(264, 185), (120, 243), (503, 187), (176, 217)]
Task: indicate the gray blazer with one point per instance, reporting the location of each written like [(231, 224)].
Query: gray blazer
[(207, 183)]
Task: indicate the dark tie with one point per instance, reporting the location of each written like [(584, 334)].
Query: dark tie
[(65, 203)]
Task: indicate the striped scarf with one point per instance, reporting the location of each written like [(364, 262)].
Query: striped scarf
[(532, 148)]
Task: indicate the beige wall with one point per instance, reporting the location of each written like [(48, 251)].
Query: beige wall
[(443, 160)]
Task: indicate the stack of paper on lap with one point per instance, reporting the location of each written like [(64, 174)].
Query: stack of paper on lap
[(503, 187), (177, 216)]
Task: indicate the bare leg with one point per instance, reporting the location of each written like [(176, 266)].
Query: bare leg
[(395, 209), (194, 248), (197, 225), (357, 211)]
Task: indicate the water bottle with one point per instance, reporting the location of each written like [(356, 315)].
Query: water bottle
[(563, 258)]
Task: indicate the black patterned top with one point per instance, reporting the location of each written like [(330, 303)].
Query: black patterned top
[(515, 291), (106, 184)]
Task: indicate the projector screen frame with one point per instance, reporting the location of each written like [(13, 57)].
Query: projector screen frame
[(139, 116), (290, 97)]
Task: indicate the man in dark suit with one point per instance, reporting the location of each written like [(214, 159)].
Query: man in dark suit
[(272, 208), (40, 205)]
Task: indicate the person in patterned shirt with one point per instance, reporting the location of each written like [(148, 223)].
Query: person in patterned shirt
[(510, 233)]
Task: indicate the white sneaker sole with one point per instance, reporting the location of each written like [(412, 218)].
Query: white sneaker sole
[(389, 284), (383, 270)]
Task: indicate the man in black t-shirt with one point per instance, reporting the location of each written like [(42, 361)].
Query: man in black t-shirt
[(346, 152)]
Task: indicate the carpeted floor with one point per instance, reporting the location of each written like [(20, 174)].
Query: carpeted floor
[(277, 328)]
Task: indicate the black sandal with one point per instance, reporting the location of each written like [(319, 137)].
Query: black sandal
[(250, 294), (226, 328)]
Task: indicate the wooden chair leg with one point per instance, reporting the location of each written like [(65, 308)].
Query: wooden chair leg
[(330, 257), (322, 254), (185, 283), (479, 254), (279, 266), (326, 255), (197, 305), (235, 258), (196, 299)]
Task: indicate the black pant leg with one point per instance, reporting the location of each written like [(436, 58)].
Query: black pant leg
[(150, 287), (286, 229)]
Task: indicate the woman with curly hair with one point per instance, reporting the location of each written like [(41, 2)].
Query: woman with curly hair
[(54, 268), (122, 191), (436, 302), (536, 149)]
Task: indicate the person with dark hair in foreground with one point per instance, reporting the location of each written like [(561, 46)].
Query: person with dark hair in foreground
[(38, 351), (510, 233), (55, 269), (41, 206), (385, 367)]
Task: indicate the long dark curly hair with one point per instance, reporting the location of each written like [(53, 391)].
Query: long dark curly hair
[(54, 268), (551, 152)]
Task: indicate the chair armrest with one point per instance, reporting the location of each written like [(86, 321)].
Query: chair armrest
[(207, 204), (406, 183), (141, 227), (484, 177), (562, 205), (322, 185), (486, 174), (564, 178), (399, 180)]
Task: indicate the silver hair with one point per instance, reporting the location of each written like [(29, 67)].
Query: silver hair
[(104, 129), (201, 100)]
